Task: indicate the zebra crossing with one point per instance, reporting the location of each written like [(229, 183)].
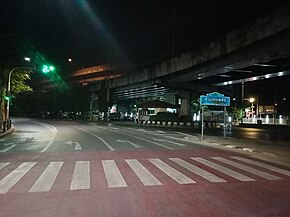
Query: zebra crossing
[(146, 171)]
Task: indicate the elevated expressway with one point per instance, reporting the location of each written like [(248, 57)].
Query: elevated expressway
[(257, 51)]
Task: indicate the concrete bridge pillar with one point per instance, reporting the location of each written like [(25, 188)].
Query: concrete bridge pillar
[(185, 103), (183, 98)]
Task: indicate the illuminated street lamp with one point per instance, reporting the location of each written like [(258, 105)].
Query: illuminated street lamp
[(27, 59), (251, 100)]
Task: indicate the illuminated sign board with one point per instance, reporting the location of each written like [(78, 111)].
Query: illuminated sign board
[(215, 99)]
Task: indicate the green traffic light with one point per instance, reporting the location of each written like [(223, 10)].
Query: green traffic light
[(6, 98), (47, 69), (51, 68)]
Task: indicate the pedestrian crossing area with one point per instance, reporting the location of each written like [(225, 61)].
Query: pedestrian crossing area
[(43, 176)]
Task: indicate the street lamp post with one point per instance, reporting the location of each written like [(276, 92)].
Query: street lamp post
[(252, 106)]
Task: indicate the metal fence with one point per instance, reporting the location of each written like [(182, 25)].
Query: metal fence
[(5, 125), (270, 121)]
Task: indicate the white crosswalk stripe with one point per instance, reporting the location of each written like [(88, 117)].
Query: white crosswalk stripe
[(198, 171), (171, 172), (247, 169), (143, 174), (2, 165), (223, 169), (12, 178), (81, 177), (47, 178), (263, 165), (113, 174)]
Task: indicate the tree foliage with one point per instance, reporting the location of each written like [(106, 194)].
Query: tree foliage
[(18, 84)]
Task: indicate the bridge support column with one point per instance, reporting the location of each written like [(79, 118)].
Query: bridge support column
[(183, 98), (185, 103)]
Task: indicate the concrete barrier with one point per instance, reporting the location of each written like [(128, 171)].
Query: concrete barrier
[(194, 124)]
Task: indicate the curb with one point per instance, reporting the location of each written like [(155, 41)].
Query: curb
[(11, 130)]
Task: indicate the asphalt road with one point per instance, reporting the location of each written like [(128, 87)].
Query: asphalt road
[(274, 134), (62, 168)]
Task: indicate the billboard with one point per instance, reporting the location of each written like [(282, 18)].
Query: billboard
[(266, 109)]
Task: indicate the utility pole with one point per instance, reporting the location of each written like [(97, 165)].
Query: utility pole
[(242, 100)]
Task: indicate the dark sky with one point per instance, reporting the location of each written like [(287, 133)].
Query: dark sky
[(132, 32)]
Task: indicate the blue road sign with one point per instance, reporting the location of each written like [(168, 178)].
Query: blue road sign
[(215, 99)]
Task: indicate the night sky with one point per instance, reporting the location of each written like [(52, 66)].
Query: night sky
[(132, 32), (118, 31)]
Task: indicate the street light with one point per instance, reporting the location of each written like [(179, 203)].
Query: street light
[(27, 59), (251, 100)]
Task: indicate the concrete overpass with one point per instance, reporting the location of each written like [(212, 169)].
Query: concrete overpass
[(257, 51)]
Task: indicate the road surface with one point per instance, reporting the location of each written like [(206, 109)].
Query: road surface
[(62, 168)]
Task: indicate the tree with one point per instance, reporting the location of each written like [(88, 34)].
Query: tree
[(237, 113), (18, 84)]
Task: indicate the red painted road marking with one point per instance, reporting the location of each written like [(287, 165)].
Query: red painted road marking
[(234, 197)]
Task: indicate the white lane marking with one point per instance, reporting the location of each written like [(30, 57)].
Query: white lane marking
[(54, 132), (147, 140), (47, 126), (47, 146), (9, 143), (47, 178), (223, 169), (7, 149), (107, 144), (131, 143), (78, 147), (263, 165), (185, 134), (81, 176), (143, 174), (164, 140), (114, 128), (155, 133), (198, 171), (12, 178), (247, 169), (171, 172), (113, 174), (164, 146), (2, 165), (188, 137)]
